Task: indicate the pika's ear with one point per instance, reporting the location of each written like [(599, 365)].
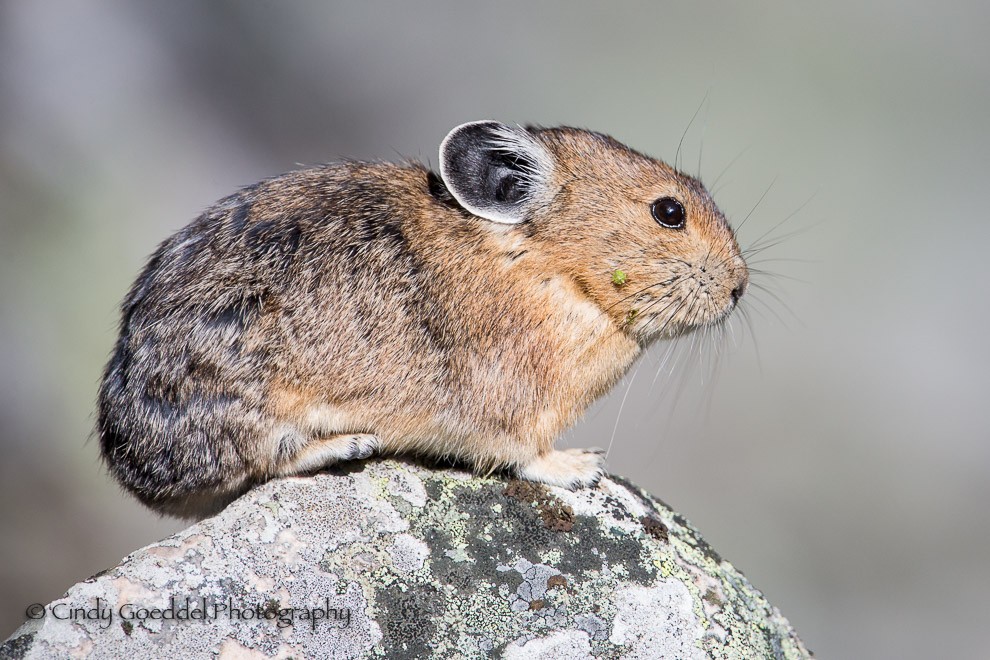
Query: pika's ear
[(494, 171)]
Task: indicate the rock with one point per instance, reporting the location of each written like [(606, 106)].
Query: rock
[(393, 559)]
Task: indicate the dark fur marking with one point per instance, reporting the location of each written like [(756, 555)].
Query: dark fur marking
[(391, 231), (231, 316), (366, 230), (258, 235), (238, 219), (439, 192), (380, 228), (236, 315), (276, 245), (201, 370), (527, 227), (163, 395), (291, 240), (435, 333)]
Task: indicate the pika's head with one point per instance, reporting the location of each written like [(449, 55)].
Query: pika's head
[(644, 241)]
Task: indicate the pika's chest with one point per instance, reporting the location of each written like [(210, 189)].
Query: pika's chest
[(556, 338)]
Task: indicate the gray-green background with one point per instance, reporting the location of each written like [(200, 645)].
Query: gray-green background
[(837, 453)]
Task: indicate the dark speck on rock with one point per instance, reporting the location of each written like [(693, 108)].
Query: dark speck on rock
[(712, 598), (556, 515), (655, 528)]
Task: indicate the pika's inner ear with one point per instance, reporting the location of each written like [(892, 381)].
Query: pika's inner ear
[(494, 171)]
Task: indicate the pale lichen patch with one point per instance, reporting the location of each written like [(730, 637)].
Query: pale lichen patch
[(637, 627), (560, 644), (408, 553)]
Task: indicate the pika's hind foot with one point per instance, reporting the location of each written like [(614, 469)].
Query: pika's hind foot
[(330, 450), (569, 468)]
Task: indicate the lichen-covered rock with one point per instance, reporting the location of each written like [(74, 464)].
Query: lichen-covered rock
[(391, 559)]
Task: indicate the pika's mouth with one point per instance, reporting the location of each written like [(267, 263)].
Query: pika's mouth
[(694, 298)]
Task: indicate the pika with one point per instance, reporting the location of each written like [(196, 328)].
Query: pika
[(473, 314)]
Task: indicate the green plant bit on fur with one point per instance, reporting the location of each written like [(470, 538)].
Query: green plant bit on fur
[(619, 277), (631, 316)]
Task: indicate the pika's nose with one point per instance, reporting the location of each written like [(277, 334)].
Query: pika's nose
[(741, 287)]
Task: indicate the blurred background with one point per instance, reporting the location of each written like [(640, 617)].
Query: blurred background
[(835, 450)]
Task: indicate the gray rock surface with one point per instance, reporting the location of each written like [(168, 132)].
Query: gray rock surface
[(393, 559)]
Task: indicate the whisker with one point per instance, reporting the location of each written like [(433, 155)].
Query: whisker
[(728, 239), (766, 260), (622, 405), (671, 346), (704, 128), (790, 215), (744, 312), (776, 297), (713, 337), (677, 154), (732, 333), (726, 168), (673, 315), (757, 205), (766, 273), (769, 308), (619, 327), (756, 249), (646, 288)]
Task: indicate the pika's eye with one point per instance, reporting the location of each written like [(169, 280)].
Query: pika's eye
[(668, 212)]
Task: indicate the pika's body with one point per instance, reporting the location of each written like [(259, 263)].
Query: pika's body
[(335, 312)]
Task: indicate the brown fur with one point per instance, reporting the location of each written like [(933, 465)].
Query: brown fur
[(357, 307)]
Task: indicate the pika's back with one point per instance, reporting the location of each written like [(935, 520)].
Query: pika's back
[(277, 234), (286, 277)]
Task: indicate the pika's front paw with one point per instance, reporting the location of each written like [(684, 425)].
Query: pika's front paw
[(569, 468)]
